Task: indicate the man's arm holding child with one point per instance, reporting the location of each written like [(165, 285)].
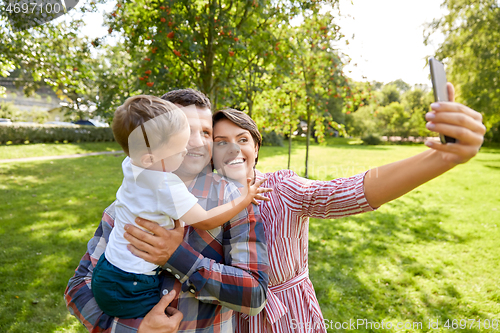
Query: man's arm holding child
[(245, 261)]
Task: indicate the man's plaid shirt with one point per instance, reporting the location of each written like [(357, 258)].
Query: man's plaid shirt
[(214, 272)]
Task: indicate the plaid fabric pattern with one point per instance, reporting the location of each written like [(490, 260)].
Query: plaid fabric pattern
[(214, 272)]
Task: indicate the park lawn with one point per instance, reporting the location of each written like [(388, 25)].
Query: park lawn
[(430, 255), (53, 149)]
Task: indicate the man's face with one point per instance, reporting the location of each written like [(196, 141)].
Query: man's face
[(199, 146)]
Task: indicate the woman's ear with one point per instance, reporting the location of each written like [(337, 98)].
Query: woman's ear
[(147, 160), (256, 155)]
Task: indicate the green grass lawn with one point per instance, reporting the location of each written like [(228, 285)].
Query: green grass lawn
[(53, 149), (431, 255)]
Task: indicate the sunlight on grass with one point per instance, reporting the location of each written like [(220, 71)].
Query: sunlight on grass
[(431, 255)]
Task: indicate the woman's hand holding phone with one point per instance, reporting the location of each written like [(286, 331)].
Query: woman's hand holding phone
[(457, 121)]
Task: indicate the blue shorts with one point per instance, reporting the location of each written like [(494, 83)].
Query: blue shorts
[(122, 294)]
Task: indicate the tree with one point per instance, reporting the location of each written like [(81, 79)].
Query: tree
[(319, 67), (279, 110), (401, 85), (209, 45), (389, 94), (358, 95), (368, 114), (471, 52), (52, 55), (363, 122)]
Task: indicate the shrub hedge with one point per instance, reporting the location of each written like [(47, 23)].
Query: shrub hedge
[(36, 133), (271, 139), (371, 139)]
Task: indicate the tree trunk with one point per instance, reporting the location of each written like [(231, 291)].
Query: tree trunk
[(307, 141), (289, 146), (290, 135), (214, 99), (207, 72), (250, 107)]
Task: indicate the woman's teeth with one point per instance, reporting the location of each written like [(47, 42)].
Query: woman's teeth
[(236, 161)]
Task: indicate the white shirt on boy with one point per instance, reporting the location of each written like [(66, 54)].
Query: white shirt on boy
[(153, 195)]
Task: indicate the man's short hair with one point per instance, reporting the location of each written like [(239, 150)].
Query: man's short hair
[(187, 97), (145, 121)]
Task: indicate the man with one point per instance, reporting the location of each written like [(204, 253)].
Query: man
[(212, 272)]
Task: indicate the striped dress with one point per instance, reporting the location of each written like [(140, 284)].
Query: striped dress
[(292, 305)]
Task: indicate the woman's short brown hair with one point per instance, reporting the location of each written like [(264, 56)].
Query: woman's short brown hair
[(242, 120)]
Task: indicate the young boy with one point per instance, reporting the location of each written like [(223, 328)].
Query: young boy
[(154, 134)]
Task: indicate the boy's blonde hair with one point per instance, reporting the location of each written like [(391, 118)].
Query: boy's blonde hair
[(144, 123)]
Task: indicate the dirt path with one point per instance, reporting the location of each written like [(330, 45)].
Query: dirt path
[(58, 157)]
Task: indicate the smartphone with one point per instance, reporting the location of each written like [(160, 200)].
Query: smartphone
[(438, 78)]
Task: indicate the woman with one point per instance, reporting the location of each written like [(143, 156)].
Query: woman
[(291, 302)]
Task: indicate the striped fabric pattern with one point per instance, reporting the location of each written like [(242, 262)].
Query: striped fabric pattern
[(226, 268), (292, 305)]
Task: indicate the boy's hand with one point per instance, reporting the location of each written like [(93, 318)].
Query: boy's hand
[(459, 122), (155, 248), (255, 190), (162, 318)]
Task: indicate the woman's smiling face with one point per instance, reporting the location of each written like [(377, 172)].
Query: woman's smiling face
[(234, 151)]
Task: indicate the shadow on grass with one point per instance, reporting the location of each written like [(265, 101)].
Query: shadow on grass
[(366, 267), (51, 210)]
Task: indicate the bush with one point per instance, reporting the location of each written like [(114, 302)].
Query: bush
[(52, 133), (371, 140), (362, 122), (493, 134), (271, 139), (10, 111)]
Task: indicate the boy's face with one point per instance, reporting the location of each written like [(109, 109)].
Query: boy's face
[(169, 157), (199, 144)]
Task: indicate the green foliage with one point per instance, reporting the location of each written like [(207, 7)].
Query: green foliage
[(52, 54), (50, 133), (417, 103), (395, 119), (493, 135), (213, 46), (401, 85), (8, 110), (371, 140), (362, 122), (405, 118), (471, 52), (360, 94), (312, 88), (390, 94), (271, 139), (417, 100)]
